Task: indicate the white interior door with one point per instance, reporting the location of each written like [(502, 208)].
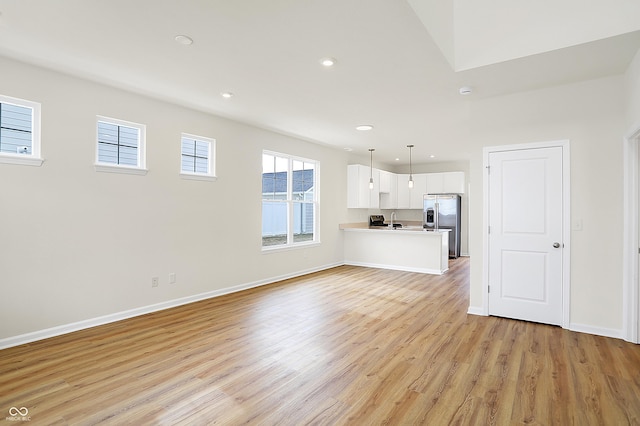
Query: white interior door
[(525, 234)]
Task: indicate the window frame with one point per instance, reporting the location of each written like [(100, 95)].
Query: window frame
[(211, 160), (140, 168), (290, 202), (35, 158)]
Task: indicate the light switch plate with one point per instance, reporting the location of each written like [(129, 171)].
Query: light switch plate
[(577, 224)]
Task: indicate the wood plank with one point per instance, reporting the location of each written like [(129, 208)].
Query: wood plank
[(348, 345)]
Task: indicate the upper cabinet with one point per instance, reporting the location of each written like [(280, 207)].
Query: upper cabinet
[(411, 198), (391, 191), (404, 196), (416, 194), (359, 196), (388, 199), (445, 183), (385, 182)]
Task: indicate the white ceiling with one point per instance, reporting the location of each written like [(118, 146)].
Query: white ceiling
[(390, 73)]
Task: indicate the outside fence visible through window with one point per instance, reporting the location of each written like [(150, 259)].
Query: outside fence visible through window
[(289, 200)]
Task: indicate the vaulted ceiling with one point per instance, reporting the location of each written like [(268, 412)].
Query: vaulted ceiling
[(399, 64)]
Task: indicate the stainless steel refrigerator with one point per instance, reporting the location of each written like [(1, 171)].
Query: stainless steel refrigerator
[(442, 211)]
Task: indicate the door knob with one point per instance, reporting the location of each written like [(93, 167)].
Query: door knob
[(556, 245)]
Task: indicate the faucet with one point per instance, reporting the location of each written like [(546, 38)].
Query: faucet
[(392, 216)]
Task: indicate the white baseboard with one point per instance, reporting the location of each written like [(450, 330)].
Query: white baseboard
[(598, 331), (396, 267), (580, 328), (476, 310), (118, 316)]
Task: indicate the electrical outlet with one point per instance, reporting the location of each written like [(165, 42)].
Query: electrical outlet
[(155, 281), (172, 278)]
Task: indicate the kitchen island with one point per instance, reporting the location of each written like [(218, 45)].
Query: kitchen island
[(412, 248)]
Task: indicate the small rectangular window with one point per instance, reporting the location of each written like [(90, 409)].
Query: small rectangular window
[(197, 157), (121, 146), (19, 131)]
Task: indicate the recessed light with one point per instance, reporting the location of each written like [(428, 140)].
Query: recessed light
[(328, 62), (465, 90), (227, 95), (183, 39), (397, 159), (432, 156), (364, 127), (348, 149)]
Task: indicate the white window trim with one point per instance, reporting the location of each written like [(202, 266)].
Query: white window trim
[(35, 158), (142, 149), (316, 202), (211, 176)]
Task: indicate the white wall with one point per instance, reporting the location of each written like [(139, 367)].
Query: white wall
[(590, 115), (76, 244), (632, 93)]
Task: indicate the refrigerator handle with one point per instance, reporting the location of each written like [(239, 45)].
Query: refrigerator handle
[(436, 214)]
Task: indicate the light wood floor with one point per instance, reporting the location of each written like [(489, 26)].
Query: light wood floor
[(345, 346)]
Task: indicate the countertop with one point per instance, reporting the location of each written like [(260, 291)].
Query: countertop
[(407, 227), (411, 249)]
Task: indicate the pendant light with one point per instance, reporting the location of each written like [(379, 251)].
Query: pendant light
[(410, 168), (371, 168)]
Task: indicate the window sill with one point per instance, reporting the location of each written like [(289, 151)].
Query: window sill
[(275, 249), (21, 159), (194, 176), (111, 168)]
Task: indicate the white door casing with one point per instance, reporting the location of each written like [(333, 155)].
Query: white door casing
[(526, 235), (631, 251)]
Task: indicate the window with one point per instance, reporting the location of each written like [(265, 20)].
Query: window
[(197, 157), (289, 200), (19, 131), (121, 146)]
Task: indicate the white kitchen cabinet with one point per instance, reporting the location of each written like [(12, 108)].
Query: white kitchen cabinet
[(374, 194), (411, 198), (385, 181), (389, 200), (417, 192), (403, 194), (359, 196), (445, 183), (391, 191), (435, 183)]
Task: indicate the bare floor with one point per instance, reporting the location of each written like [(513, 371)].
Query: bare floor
[(348, 345)]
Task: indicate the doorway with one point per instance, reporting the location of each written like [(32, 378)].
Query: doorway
[(527, 241)]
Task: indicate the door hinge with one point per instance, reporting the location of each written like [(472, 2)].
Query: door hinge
[(488, 169), (488, 229), (488, 289)]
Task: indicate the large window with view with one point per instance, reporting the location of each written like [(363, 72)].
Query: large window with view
[(289, 200)]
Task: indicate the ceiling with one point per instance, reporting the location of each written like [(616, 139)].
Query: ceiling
[(390, 72)]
